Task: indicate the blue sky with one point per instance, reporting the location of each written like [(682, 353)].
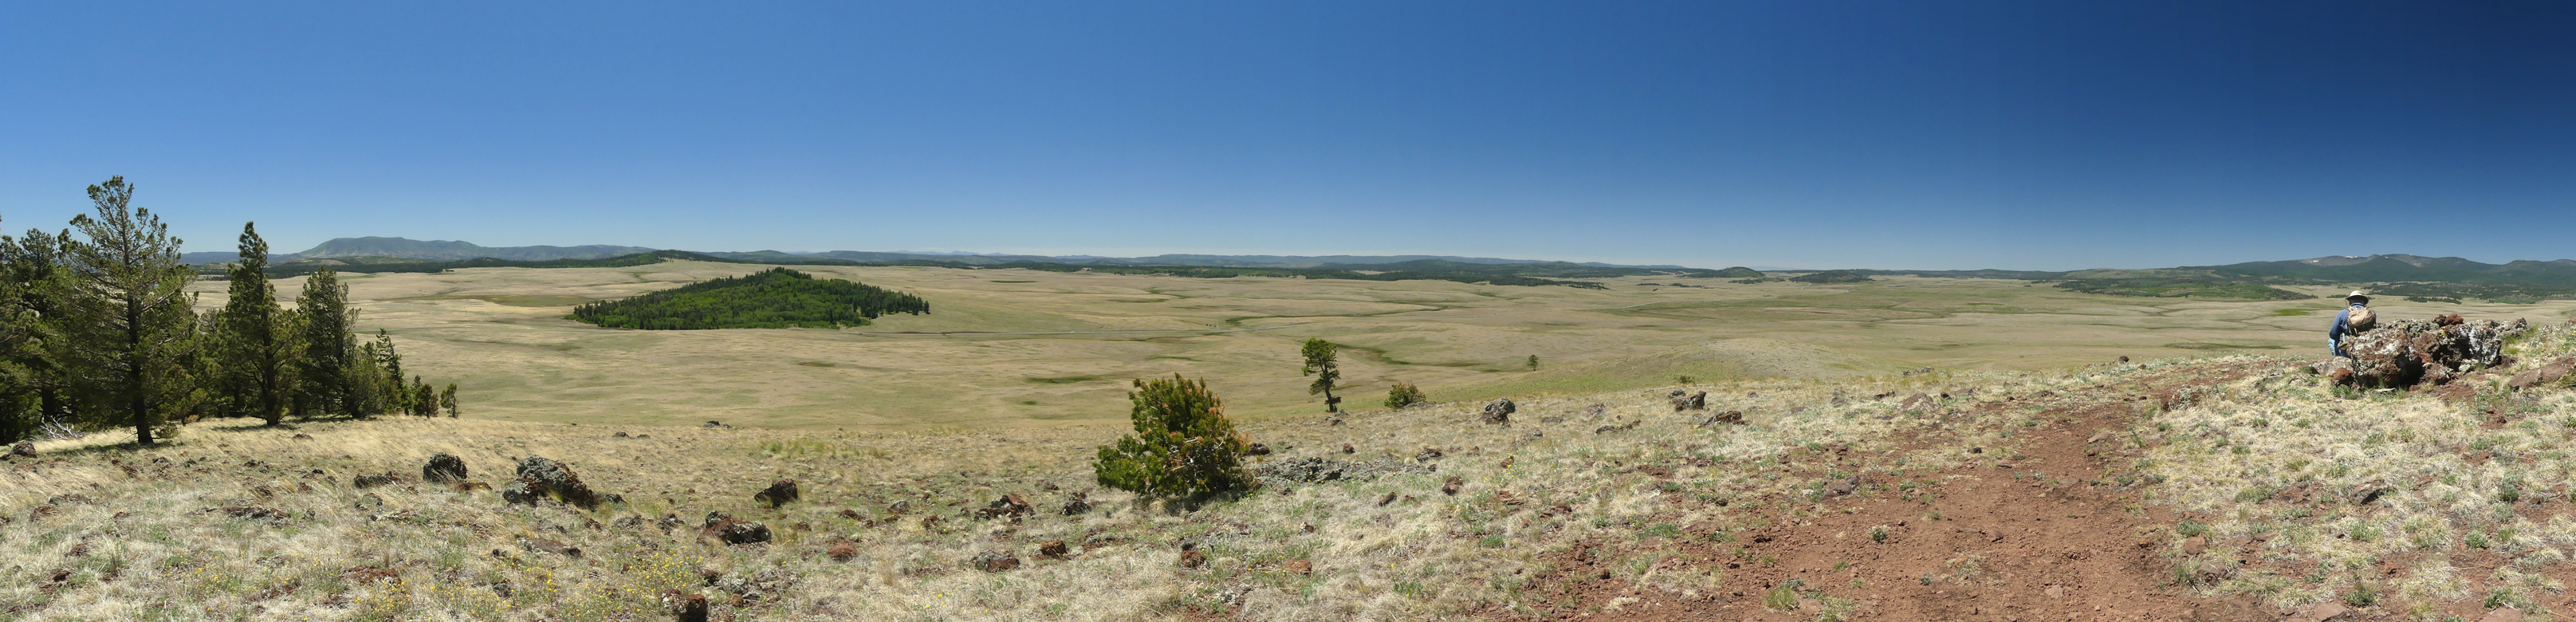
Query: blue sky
[(2025, 135)]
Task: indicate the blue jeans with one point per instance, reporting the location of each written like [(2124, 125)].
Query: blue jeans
[(2336, 346)]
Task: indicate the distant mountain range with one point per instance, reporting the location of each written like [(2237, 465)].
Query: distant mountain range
[(378, 249), (2335, 269)]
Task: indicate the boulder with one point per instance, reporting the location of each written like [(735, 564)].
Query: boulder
[(778, 493), (1500, 411), (1055, 549), (687, 607), (1452, 486), (841, 551), (1696, 401), (547, 480), (996, 561), (443, 468), (2404, 353), (1299, 567)]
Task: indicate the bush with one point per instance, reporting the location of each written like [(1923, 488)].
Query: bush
[(1403, 395), (1184, 447)]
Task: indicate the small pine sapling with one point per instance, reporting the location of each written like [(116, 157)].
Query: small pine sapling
[(1403, 395), (1184, 447)]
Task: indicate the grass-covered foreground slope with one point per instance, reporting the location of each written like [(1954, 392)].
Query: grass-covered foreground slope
[(2229, 488), (775, 298)]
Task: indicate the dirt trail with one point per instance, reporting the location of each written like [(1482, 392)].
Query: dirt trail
[(2022, 536)]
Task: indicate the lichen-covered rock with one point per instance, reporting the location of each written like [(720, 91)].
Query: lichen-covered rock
[(1500, 411), (2405, 353), (996, 561), (730, 530), (1696, 401), (1009, 506)]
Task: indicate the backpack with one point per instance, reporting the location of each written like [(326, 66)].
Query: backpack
[(2360, 319)]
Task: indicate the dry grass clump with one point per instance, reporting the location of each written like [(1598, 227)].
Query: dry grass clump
[(2304, 493), (233, 523)]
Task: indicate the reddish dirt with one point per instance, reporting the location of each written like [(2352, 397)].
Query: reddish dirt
[(2028, 548)]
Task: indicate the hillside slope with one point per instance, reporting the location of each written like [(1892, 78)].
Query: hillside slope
[(2237, 488)]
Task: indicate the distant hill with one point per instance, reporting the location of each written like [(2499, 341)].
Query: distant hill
[(450, 250)]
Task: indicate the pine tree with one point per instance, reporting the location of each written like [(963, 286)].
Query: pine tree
[(324, 384), (23, 270), (424, 400), (1184, 447), (129, 332), (447, 399), (1322, 364), (254, 338)]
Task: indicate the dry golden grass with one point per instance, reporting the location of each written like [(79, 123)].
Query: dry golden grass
[(491, 331), (1424, 556)]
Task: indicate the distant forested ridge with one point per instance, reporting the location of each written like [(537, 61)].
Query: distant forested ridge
[(776, 298)]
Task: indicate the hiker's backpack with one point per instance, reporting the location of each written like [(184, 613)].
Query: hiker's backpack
[(2360, 319)]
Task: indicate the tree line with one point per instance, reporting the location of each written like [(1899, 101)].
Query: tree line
[(775, 298), (99, 332)]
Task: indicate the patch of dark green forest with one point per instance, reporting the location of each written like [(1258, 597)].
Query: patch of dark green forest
[(2182, 287), (775, 298)]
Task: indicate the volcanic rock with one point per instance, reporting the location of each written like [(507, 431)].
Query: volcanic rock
[(996, 561), (541, 479), (2542, 375), (778, 493), (443, 468), (2404, 353), (725, 527), (1500, 411), (1696, 401)]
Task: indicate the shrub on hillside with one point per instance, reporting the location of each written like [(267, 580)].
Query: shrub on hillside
[(1403, 395), (1184, 447)]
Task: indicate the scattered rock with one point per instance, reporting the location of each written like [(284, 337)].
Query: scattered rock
[(1451, 487), (1427, 454), (732, 530), (369, 574), (542, 545), (2543, 375), (2502, 614), (24, 449), (1845, 486), (1390, 498), (472, 486), (251, 512), (1054, 549), (1348, 449), (841, 551), (688, 607), (2448, 319), (1696, 401), (1258, 449), (373, 480), (1733, 417), (716, 425), (1500, 411), (1009, 506), (1193, 558), (996, 561), (2124, 359), (1595, 410), (778, 493), (1617, 428), (2195, 545), (2328, 611), (541, 479), (299, 436), (1299, 567), (1313, 470), (443, 468), (1079, 505), (898, 507)]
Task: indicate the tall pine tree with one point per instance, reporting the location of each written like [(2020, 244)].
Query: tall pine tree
[(129, 334), (325, 384), (255, 340)]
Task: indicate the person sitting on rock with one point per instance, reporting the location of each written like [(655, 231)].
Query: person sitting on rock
[(2343, 321)]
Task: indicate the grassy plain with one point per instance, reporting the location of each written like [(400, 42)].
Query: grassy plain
[(1020, 348)]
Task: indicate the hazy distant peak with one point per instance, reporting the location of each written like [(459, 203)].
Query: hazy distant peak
[(451, 250)]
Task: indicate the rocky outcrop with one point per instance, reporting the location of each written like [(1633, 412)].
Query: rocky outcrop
[(547, 480), (1696, 401), (1500, 411), (1009, 506), (2405, 353), (443, 468)]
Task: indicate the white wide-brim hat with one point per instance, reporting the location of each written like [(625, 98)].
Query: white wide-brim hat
[(2356, 294)]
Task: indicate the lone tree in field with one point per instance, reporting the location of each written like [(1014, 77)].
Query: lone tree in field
[(447, 400), (1183, 446), (129, 335), (1533, 362), (1321, 363), (254, 340)]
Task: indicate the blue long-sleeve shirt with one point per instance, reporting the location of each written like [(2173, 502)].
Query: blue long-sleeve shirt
[(2342, 324)]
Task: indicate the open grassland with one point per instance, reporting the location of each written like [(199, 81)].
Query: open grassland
[(500, 333), (2230, 488)]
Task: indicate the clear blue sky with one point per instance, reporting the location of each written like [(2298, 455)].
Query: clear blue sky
[(2030, 135)]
